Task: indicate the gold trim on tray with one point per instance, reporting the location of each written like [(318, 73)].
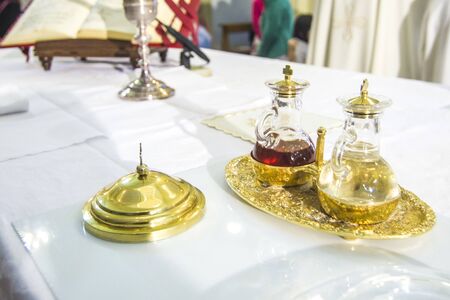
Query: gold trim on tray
[(411, 217)]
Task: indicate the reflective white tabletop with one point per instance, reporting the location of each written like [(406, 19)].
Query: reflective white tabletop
[(235, 252)]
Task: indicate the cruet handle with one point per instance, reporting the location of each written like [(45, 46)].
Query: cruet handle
[(347, 137), (263, 135)]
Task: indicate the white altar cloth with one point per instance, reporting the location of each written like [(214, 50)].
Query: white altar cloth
[(414, 139)]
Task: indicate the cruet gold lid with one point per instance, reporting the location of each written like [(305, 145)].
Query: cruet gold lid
[(364, 105), (143, 206), (287, 87)]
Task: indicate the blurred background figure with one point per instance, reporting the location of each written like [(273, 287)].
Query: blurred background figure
[(257, 10), (276, 29), (298, 45), (204, 28), (204, 35), (401, 38)]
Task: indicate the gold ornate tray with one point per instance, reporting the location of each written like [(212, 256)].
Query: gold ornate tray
[(412, 216)]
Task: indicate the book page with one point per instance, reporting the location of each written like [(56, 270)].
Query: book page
[(107, 21), (49, 20)]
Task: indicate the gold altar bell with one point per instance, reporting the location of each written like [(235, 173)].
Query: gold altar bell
[(357, 185), (143, 206)]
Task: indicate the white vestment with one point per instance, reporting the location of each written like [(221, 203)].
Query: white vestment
[(406, 38)]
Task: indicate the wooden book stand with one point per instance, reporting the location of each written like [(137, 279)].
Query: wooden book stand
[(84, 48)]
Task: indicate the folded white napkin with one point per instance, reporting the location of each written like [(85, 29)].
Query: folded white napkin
[(12, 101)]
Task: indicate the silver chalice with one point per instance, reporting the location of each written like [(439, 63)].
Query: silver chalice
[(146, 87)]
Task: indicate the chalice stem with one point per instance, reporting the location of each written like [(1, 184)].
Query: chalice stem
[(146, 87), (144, 50)]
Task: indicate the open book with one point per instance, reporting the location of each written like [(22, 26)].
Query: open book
[(46, 20)]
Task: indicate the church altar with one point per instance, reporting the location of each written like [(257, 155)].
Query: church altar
[(78, 136)]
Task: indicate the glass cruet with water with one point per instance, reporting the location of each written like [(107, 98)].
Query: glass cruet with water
[(281, 141), (357, 184)]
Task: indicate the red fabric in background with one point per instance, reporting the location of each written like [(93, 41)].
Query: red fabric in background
[(257, 11), (188, 15)]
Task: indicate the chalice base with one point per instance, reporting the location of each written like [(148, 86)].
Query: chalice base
[(141, 90)]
